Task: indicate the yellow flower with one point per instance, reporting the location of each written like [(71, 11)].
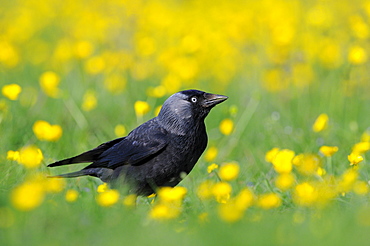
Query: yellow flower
[(164, 211), (169, 194), (107, 198), (284, 181), (212, 167), (71, 195), (157, 92), (221, 191), (130, 200), (269, 201), (11, 91), (361, 147), (141, 108), (211, 154), (54, 185), (30, 156), (102, 188), (28, 196), (270, 155), (283, 161), (328, 150), (226, 126), (244, 199), (357, 55), (365, 137), (355, 158), (120, 130), (83, 49), (12, 155), (229, 213), (305, 194), (49, 82), (348, 178), (361, 188), (115, 83), (321, 123), (307, 164), (229, 171), (89, 101), (44, 131), (204, 190), (95, 65)]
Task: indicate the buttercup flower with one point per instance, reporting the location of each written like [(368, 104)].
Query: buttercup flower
[(226, 126), (229, 171), (321, 123), (11, 91), (328, 150), (45, 131)]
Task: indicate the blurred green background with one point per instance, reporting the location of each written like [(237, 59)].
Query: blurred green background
[(80, 67)]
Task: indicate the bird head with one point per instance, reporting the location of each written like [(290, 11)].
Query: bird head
[(185, 109)]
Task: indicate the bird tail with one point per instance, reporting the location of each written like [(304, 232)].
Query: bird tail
[(102, 173), (71, 175), (88, 156)]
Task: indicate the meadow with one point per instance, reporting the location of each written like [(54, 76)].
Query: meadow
[(287, 161)]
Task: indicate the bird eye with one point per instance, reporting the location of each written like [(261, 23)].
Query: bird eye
[(194, 99)]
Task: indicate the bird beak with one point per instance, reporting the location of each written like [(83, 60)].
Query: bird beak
[(213, 99)]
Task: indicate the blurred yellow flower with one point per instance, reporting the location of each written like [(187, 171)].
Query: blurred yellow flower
[(361, 147), (221, 191), (164, 211), (102, 188), (211, 154), (347, 180), (305, 194), (321, 123), (229, 213), (282, 162), (212, 167), (355, 158), (95, 65), (226, 126), (269, 201), (12, 155), (107, 198), (44, 131), (30, 156), (284, 181), (11, 91), (365, 137), (307, 164), (157, 92), (270, 155), (130, 200), (54, 185), (120, 130), (49, 82), (244, 199), (357, 55), (83, 49), (204, 190), (328, 150), (115, 83), (89, 100), (169, 194), (361, 188), (28, 196), (141, 108), (71, 195), (229, 171)]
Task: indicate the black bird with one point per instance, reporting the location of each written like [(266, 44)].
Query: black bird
[(160, 152)]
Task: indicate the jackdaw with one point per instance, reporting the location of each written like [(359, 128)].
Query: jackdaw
[(160, 152)]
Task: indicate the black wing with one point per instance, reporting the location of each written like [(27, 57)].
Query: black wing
[(144, 142)]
